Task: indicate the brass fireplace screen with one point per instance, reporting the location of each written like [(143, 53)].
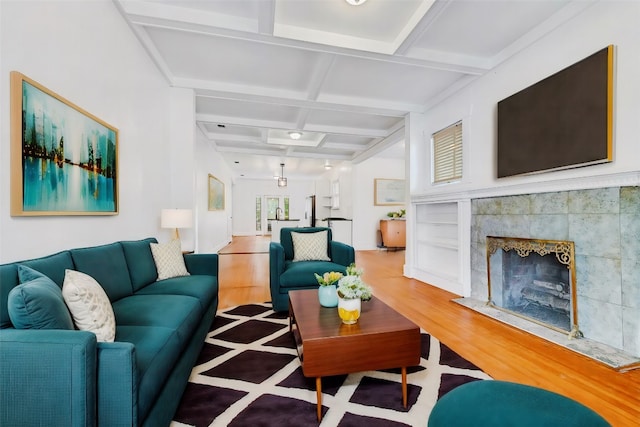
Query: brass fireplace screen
[(534, 279)]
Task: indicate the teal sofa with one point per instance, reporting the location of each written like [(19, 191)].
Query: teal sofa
[(286, 275), (54, 377)]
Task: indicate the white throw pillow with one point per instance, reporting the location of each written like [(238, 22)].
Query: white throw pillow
[(169, 260), (310, 246), (89, 305)]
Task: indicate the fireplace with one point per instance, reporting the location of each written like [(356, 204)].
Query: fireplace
[(534, 279)]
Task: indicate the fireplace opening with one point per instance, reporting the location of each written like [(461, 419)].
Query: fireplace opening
[(534, 279)]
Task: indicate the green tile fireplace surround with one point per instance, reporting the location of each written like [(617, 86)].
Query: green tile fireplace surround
[(604, 224)]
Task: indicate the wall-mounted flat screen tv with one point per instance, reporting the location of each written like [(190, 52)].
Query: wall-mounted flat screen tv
[(561, 122)]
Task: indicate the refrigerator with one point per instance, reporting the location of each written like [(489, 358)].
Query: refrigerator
[(341, 229)]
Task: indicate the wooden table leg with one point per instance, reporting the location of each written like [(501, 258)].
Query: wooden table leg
[(319, 397), (404, 386)]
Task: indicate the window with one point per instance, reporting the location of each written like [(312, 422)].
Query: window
[(258, 213), (446, 150)]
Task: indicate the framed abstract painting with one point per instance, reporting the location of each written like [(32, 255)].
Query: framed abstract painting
[(64, 160)]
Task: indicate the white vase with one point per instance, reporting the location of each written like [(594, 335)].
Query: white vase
[(349, 310)]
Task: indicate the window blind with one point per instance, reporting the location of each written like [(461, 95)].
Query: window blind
[(447, 154)]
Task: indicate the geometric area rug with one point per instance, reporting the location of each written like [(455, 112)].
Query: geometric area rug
[(248, 374)]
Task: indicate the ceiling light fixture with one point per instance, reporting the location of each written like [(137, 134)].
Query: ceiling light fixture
[(295, 135), (355, 2), (282, 181), (327, 165)]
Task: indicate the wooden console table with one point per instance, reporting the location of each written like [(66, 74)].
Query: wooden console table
[(394, 233)]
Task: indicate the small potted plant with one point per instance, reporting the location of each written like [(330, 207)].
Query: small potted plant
[(327, 292), (352, 290)]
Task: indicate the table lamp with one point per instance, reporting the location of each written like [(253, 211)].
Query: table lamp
[(176, 218)]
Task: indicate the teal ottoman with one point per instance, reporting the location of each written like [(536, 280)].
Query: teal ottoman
[(505, 404)]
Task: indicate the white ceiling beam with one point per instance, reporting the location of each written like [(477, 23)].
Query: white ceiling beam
[(346, 130), (141, 11), (234, 138), (412, 23), (147, 44), (425, 23), (291, 99), (272, 124), (166, 20), (380, 146), (243, 121), (266, 16)]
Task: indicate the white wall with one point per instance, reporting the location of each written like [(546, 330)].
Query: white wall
[(85, 52), (213, 227), (607, 22), (366, 216)]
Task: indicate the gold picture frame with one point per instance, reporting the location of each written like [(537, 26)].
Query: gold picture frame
[(216, 194), (64, 160), (388, 192)]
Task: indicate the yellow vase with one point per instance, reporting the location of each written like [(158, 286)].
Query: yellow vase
[(349, 310)]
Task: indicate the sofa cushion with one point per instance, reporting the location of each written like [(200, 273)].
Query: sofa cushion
[(52, 266), (106, 264), (139, 258), (178, 312), (310, 246), (169, 259), (301, 274), (37, 303), (205, 288), (89, 305), (157, 350)]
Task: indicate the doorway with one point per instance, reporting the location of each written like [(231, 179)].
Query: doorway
[(275, 207)]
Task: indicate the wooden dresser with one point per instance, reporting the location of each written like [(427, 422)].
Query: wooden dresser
[(393, 233)]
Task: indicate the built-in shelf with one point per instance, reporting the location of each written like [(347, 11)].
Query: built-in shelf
[(439, 244)]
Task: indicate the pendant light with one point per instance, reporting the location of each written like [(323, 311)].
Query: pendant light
[(282, 181)]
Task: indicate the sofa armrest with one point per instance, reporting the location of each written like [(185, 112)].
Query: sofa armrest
[(205, 264), (47, 377), (276, 265), (117, 378), (342, 254)]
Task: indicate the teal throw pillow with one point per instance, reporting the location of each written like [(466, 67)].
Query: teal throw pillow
[(26, 274), (37, 303)]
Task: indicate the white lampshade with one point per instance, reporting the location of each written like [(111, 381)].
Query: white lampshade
[(176, 218)]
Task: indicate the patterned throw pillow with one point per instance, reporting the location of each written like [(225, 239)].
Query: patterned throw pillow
[(169, 260), (89, 305), (310, 246)]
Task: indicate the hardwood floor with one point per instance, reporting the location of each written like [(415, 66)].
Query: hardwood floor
[(502, 351)]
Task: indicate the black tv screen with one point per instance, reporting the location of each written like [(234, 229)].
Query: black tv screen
[(561, 122)]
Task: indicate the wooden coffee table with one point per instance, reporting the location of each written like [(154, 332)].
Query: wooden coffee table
[(381, 339)]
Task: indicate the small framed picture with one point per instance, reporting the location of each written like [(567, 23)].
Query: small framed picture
[(216, 194), (389, 192)]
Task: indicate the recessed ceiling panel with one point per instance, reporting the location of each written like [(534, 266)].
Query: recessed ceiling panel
[(241, 9), (458, 28), (233, 61), (386, 81), (351, 120), (247, 111), (222, 130)]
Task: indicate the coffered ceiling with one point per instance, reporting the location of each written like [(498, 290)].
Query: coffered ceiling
[(344, 76)]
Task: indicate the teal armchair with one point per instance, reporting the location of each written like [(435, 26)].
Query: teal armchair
[(285, 274)]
